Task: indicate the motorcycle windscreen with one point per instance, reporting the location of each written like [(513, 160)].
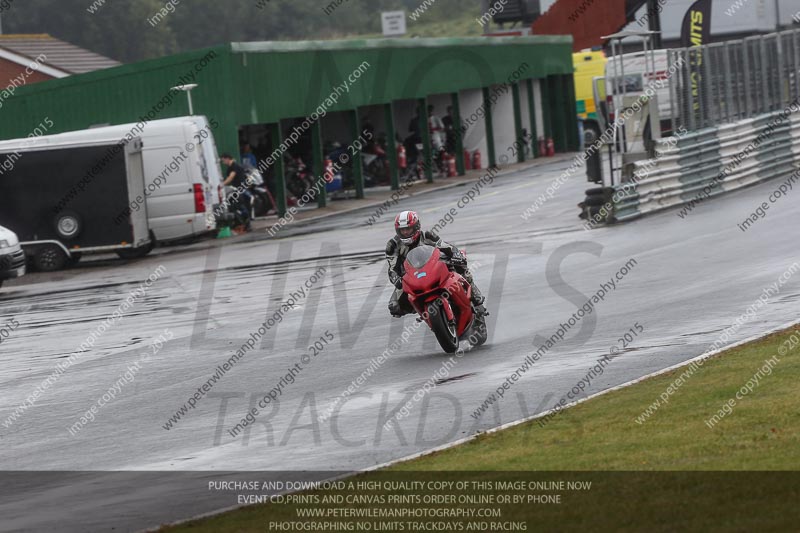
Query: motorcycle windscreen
[(419, 256)]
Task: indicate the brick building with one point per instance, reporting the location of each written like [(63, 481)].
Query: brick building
[(56, 59)]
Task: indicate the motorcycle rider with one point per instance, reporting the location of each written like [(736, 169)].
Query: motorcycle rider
[(409, 235)]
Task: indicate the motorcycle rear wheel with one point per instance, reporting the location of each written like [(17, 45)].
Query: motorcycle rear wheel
[(262, 205), (444, 330)]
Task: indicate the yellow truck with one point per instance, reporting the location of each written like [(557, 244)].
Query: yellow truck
[(589, 65)]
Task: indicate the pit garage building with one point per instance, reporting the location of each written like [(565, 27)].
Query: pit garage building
[(262, 92)]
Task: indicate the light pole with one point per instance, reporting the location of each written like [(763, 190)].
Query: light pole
[(188, 90)]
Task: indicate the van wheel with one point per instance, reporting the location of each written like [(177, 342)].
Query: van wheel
[(49, 258)]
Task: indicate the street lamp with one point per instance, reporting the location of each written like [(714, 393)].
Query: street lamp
[(188, 90)]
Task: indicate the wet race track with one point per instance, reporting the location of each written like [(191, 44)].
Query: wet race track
[(677, 282)]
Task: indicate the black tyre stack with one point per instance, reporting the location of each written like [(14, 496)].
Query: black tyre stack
[(597, 206)]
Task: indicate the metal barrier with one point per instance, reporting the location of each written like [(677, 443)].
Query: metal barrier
[(733, 80), (734, 103), (709, 162)]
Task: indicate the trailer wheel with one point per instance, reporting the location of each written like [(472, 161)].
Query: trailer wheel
[(49, 258), (68, 225)]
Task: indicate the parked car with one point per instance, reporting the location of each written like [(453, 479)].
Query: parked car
[(66, 199), (12, 258)]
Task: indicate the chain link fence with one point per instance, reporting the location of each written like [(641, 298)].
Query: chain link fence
[(733, 80)]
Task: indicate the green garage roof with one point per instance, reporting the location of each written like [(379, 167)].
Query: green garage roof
[(263, 82)]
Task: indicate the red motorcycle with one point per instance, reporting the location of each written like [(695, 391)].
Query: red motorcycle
[(442, 298)]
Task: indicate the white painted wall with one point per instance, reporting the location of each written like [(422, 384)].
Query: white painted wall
[(471, 104), (503, 122)]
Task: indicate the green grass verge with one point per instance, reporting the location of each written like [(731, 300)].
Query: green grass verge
[(762, 433)]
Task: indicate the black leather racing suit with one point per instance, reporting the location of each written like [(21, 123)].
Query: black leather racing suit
[(396, 253)]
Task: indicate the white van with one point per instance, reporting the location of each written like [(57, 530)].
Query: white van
[(183, 181), (636, 77)]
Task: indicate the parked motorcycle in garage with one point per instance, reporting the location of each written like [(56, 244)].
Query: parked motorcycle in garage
[(263, 202), (442, 298), (240, 212), (299, 179)]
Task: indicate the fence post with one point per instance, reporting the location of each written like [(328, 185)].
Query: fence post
[(779, 64), (707, 86), (746, 78), (672, 95), (764, 76), (796, 65), (720, 76), (727, 73), (688, 98)]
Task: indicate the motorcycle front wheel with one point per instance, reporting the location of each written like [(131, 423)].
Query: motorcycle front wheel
[(444, 330)]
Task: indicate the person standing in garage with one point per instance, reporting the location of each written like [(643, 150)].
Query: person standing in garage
[(237, 177)]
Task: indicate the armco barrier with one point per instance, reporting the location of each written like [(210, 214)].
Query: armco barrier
[(709, 162)]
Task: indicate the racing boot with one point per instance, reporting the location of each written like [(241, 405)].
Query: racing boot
[(477, 301)]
